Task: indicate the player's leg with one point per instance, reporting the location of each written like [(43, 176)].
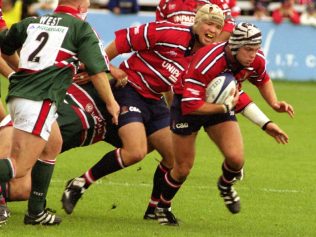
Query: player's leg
[(184, 153), (227, 137), (18, 189), (5, 147), (41, 176), (32, 127), (162, 142), (134, 110), (133, 150), (184, 131)]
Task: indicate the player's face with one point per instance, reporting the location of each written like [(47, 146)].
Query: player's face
[(247, 54), (207, 32)]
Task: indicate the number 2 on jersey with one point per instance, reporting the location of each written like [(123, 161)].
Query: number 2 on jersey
[(43, 38)]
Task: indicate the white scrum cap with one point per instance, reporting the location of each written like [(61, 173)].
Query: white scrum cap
[(244, 34)]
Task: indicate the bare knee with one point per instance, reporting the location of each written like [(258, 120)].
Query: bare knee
[(52, 149), (132, 156), (181, 171), (235, 161), (168, 160)]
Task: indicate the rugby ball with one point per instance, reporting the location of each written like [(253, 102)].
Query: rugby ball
[(221, 88)]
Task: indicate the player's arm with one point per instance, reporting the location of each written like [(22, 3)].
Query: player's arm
[(2, 111), (111, 50), (268, 93), (11, 42), (96, 65), (10, 61), (102, 85), (5, 69), (117, 73), (208, 108), (255, 115), (195, 104), (168, 97)]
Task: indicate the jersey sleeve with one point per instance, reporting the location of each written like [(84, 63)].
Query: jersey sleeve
[(260, 75), (136, 38), (160, 15), (2, 36), (2, 21), (243, 101), (91, 52), (13, 39)]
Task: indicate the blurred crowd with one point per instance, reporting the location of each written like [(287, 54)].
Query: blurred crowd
[(296, 11)]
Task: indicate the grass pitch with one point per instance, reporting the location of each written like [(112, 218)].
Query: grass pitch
[(277, 193)]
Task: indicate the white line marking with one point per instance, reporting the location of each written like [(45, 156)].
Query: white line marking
[(147, 185)]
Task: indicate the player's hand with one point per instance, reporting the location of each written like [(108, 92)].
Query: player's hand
[(121, 82), (81, 78), (232, 100), (120, 76), (282, 106), (277, 133), (114, 109)]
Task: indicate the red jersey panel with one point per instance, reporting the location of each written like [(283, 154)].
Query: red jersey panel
[(183, 11), (160, 56), (209, 62), (2, 22)]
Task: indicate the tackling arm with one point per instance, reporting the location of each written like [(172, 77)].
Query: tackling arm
[(255, 115), (111, 50), (102, 85), (268, 93), (11, 60)]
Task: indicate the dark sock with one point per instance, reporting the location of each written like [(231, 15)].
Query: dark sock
[(229, 175), (6, 170), (2, 199), (157, 183), (4, 186), (169, 189), (41, 175), (110, 163), (156, 191)]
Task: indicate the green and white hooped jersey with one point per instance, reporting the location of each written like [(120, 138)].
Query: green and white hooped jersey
[(51, 47)]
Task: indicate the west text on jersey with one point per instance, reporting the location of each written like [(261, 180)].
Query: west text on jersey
[(50, 20)]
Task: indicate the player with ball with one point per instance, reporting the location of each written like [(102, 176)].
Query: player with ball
[(210, 80)]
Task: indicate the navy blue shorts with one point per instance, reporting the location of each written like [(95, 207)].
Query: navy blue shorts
[(188, 124), (154, 114)]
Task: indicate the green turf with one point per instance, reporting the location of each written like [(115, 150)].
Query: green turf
[(277, 194)]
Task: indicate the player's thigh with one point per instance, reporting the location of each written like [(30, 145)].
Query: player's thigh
[(32, 121), (133, 136), (228, 138)]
